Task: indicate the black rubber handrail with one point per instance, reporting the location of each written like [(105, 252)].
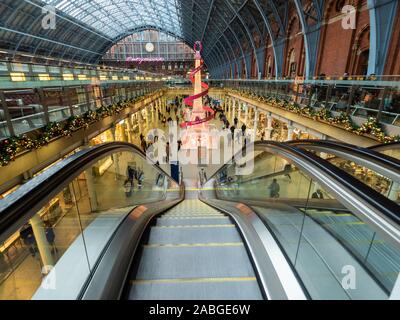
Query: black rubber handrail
[(366, 153), (387, 208), (22, 204), (386, 146)]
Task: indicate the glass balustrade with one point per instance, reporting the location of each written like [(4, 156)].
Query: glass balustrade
[(360, 98), (59, 246), (335, 251)]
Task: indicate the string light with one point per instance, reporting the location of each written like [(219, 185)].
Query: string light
[(11, 147)]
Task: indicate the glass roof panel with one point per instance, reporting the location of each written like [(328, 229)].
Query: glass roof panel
[(116, 17)]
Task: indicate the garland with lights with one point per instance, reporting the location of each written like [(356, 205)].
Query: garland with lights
[(11, 147), (371, 127)]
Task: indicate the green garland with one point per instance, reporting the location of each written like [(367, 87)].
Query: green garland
[(10, 147), (371, 127)]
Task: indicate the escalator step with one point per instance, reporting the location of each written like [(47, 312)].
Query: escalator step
[(190, 234), (194, 262), (197, 289), (164, 221)]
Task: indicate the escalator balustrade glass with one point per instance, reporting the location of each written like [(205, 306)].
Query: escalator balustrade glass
[(335, 253), (76, 225), (380, 183)]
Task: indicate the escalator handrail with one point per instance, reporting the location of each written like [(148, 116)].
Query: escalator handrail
[(386, 146), (380, 163), (368, 153), (24, 203), (366, 202)]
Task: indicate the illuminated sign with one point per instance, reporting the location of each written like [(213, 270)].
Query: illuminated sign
[(141, 60)]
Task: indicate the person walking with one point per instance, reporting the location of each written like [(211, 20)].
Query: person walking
[(140, 178), (128, 187), (50, 236)]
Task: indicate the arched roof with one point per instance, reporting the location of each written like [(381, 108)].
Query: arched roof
[(116, 17), (86, 29)]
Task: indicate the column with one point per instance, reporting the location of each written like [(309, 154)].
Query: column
[(91, 191), (239, 111), (152, 113), (268, 131), (147, 117), (157, 110), (256, 116), (129, 129), (115, 156), (233, 111), (140, 121), (246, 114), (290, 131), (41, 240)]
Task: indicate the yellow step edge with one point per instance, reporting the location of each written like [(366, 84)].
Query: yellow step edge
[(198, 226), (192, 217)]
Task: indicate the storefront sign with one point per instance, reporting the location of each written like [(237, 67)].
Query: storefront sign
[(141, 60)]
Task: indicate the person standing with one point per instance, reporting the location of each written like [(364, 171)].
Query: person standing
[(274, 189), (262, 135), (233, 132), (318, 194), (244, 129), (144, 145), (167, 153), (287, 169), (202, 176), (235, 121)]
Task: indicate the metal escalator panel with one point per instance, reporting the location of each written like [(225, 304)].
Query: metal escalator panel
[(55, 228), (340, 236), (193, 252)]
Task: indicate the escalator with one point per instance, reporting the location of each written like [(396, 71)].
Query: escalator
[(323, 230), (193, 252), (238, 237), (389, 149)]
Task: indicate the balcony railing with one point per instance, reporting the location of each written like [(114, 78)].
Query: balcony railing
[(377, 96), (19, 116)]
